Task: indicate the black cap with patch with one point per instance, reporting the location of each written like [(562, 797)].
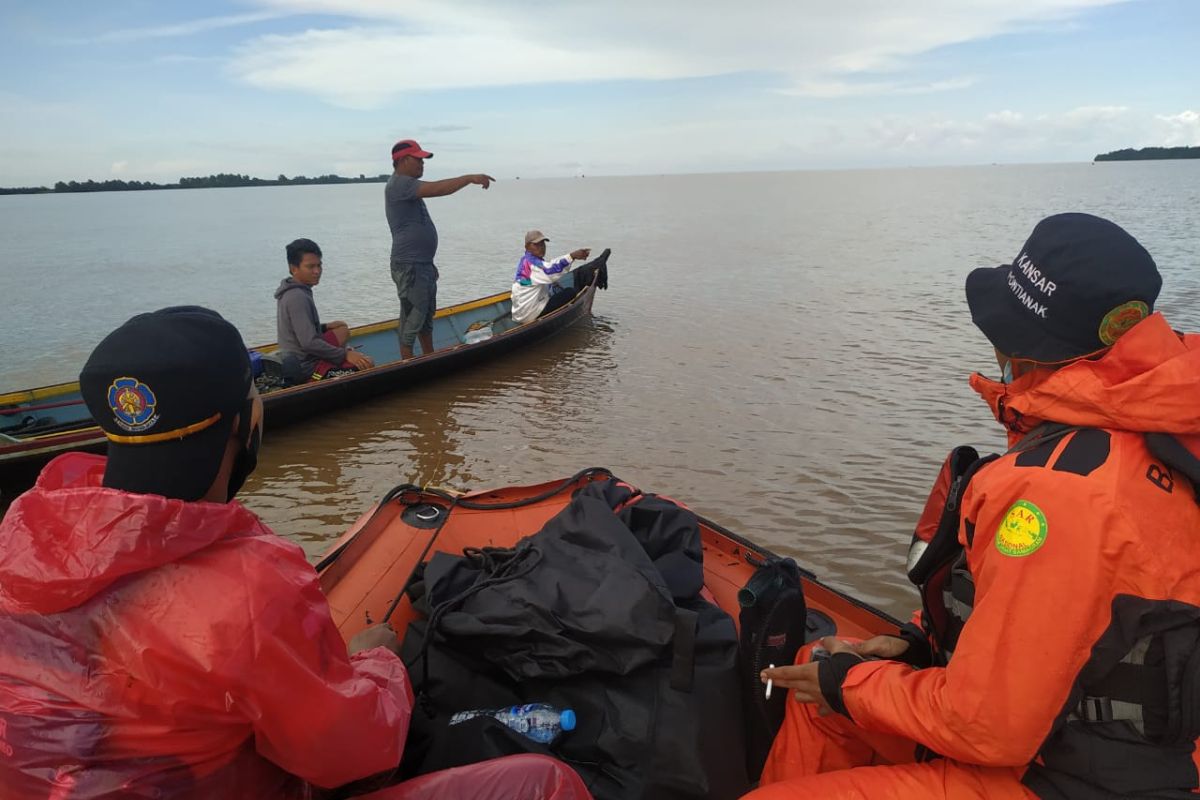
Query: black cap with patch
[(165, 388), (1078, 284)]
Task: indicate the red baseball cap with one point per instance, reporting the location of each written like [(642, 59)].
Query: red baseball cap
[(409, 147)]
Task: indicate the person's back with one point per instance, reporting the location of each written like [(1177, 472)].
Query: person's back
[(1059, 642), (159, 641), (1082, 516)]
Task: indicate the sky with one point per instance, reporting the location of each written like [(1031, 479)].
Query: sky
[(153, 90)]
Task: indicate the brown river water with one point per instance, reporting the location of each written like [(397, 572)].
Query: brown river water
[(787, 353)]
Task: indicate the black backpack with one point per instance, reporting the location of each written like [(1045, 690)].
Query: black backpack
[(773, 622), (599, 612)]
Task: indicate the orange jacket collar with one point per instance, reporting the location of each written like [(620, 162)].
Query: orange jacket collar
[(1148, 381)]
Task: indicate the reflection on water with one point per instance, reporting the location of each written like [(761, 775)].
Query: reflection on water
[(313, 480), (787, 352)]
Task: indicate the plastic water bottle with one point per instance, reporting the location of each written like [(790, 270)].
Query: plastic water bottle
[(538, 721)]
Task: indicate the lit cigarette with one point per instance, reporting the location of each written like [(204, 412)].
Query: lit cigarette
[(770, 682)]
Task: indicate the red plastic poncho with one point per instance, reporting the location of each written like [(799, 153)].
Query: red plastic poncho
[(156, 648), (517, 777)]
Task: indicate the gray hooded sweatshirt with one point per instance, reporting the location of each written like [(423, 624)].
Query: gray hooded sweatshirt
[(299, 328)]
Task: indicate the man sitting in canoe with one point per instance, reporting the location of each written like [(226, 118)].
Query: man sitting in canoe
[(310, 350), (157, 639), (1058, 651), (535, 289)]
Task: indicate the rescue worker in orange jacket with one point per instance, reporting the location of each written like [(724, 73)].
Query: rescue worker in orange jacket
[(1057, 652)]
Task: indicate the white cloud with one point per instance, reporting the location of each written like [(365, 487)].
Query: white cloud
[(1013, 121), (843, 88), (950, 84), (768, 140), (821, 49), (1087, 116), (1074, 134), (363, 68), (370, 53), (1178, 130)]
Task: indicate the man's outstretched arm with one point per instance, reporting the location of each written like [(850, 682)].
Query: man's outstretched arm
[(451, 185)]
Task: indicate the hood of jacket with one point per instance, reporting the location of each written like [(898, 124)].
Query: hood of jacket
[(1148, 382), (289, 283), (68, 538)]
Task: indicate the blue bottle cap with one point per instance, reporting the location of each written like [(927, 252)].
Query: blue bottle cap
[(567, 720)]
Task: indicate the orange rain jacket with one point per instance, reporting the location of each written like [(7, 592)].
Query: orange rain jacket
[(1074, 551), (156, 648)]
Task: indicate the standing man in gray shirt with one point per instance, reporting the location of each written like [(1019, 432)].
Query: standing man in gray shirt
[(415, 240)]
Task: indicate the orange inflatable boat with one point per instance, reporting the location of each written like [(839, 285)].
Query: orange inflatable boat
[(364, 574), (369, 572)]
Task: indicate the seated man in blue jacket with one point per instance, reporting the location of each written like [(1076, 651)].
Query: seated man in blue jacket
[(310, 350)]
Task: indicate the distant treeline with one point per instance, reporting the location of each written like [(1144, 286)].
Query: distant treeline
[(223, 180), (1149, 154)]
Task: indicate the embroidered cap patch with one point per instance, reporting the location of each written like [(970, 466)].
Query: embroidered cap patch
[(1117, 321), (1022, 531), (133, 404)]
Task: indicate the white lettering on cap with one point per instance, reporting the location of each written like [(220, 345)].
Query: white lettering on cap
[(1035, 276), (1025, 297)]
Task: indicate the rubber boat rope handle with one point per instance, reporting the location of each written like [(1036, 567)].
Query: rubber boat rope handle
[(392, 494), (421, 558), (474, 505)]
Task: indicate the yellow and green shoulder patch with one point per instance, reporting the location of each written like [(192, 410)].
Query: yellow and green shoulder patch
[(1022, 531)]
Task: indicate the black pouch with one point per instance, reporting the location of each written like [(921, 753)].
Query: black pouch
[(935, 540), (1178, 707), (773, 623), (1189, 690)]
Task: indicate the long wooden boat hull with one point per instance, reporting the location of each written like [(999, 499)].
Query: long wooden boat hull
[(38, 424), (365, 573)]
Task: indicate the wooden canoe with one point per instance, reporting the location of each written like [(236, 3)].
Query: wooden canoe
[(38, 424)]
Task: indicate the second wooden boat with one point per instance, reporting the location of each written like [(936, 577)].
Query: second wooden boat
[(38, 424)]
